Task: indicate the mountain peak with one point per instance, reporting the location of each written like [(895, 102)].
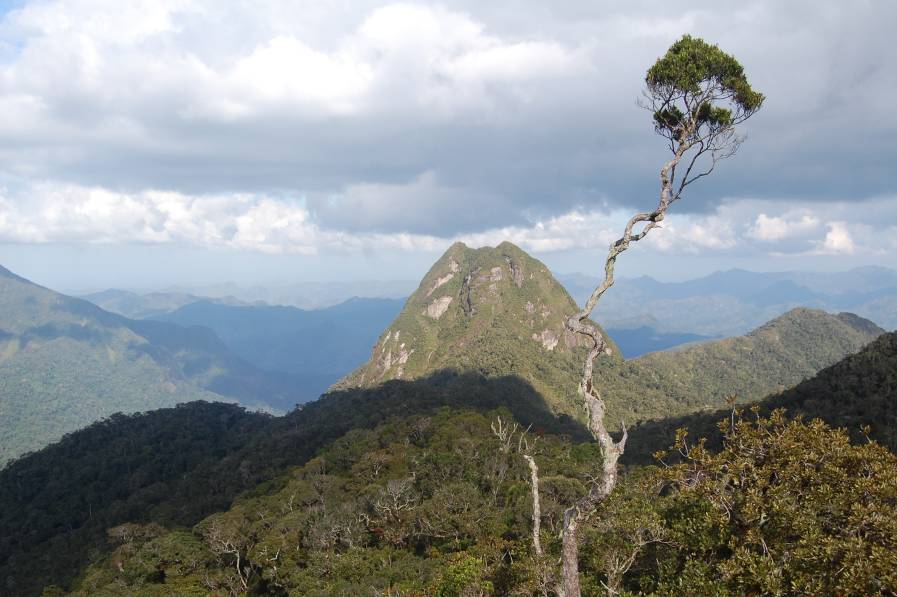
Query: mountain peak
[(806, 318), (495, 310)]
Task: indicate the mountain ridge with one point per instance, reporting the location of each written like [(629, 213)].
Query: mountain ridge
[(65, 362), (732, 302), (498, 311)]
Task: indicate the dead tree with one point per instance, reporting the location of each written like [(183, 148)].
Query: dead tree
[(505, 434), (698, 95)]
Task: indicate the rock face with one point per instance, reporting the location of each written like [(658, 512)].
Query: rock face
[(438, 307), (493, 310)]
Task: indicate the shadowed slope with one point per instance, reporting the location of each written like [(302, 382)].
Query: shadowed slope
[(175, 466)]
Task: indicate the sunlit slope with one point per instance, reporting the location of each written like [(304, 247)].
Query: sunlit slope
[(65, 363), (498, 311)]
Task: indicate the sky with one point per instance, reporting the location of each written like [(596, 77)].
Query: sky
[(189, 142)]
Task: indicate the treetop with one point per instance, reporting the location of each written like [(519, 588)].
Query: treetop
[(699, 74)]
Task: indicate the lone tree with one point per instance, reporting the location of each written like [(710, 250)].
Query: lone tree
[(698, 95)]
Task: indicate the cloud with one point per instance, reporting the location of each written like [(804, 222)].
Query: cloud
[(774, 228), (573, 230), (73, 214), (514, 113), (837, 241), (424, 204), (694, 234), (68, 213)]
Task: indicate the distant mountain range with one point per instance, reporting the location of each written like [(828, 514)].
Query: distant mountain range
[(65, 363), (303, 295), (636, 313), (484, 330), (143, 306), (733, 302), (315, 347)]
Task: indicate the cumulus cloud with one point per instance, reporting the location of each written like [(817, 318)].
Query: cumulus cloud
[(837, 241), (574, 230), (775, 228), (694, 234), (71, 214), (527, 112), (68, 213)]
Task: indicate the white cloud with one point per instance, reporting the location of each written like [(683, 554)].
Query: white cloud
[(694, 234), (70, 213), (574, 230), (775, 228), (67, 214), (837, 241), (56, 213), (122, 60)]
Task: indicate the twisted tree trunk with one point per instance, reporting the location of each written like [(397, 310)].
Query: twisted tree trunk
[(594, 403)]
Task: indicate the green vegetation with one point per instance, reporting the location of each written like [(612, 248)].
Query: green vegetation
[(496, 311), (175, 466), (131, 469), (167, 471), (506, 316), (775, 356), (433, 505), (858, 391), (65, 363)]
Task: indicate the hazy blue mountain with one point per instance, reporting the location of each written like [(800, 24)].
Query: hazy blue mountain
[(141, 306), (65, 363), (303, 295), (315, 347), (733, 302), (635, 342)]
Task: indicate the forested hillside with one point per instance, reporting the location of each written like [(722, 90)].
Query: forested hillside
[(56, 504), (857, 392), (52, 529), (440, 505), (175, 467), (65, 363)]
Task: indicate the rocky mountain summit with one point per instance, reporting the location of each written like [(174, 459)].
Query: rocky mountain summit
[(496, 310)]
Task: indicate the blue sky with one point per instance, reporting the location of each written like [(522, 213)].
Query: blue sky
[(189, 141)]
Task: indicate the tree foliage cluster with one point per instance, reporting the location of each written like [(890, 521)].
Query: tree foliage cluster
[(174, 466), (433, 505)]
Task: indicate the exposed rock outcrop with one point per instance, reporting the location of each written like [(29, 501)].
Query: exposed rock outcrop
[(438, 307)]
